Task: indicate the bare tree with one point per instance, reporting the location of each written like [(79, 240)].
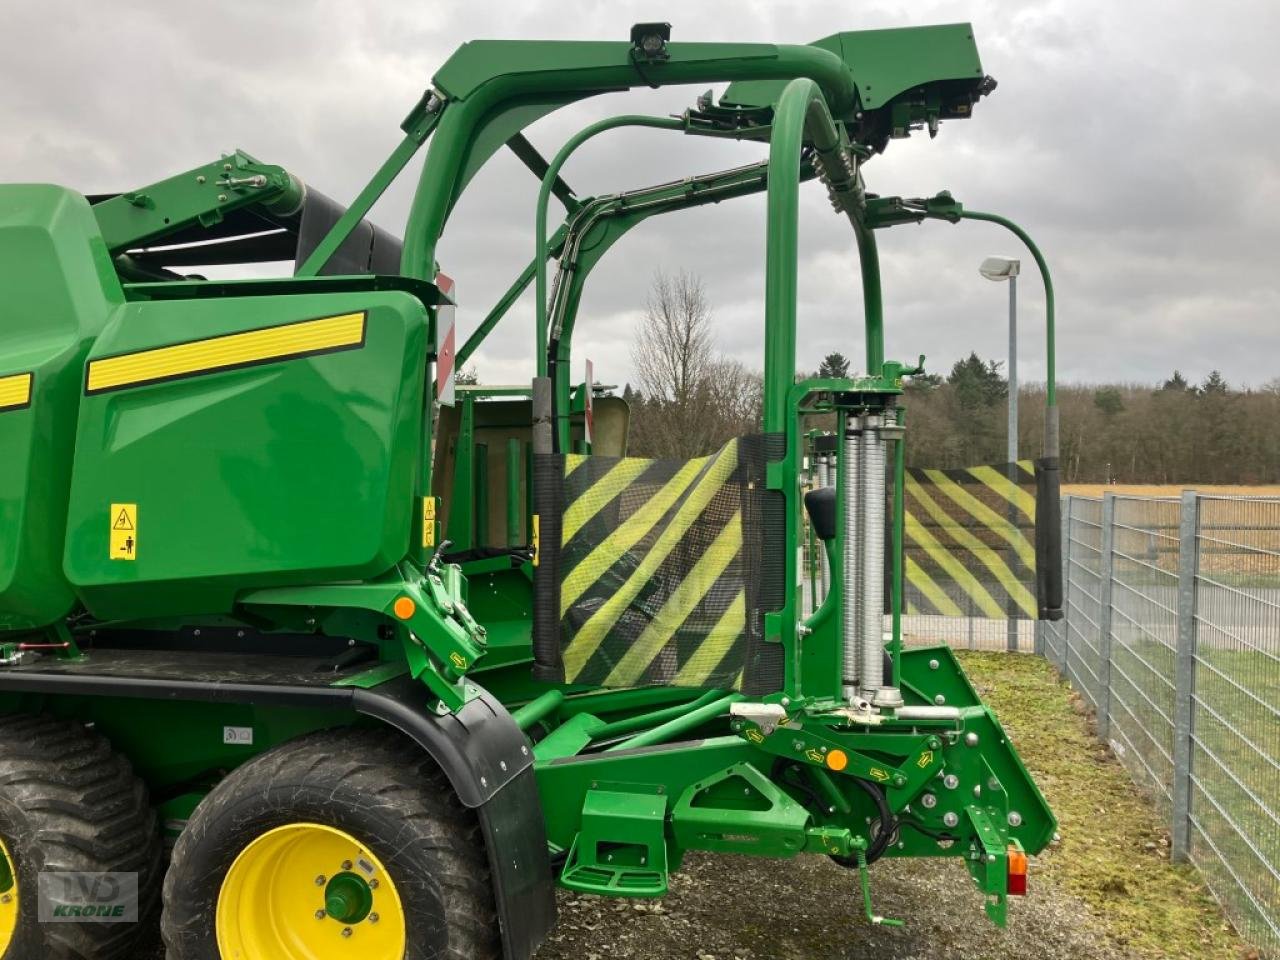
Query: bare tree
[(674, 363)]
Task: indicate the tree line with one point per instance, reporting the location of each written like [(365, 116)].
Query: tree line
[(688, 400)]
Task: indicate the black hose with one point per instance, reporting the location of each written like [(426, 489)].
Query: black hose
[(888, 825)]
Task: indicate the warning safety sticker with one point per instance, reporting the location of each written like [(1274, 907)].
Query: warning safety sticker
[(124, 531)]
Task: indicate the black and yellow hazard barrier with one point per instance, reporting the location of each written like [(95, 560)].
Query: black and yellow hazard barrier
[(970, 541), (654, 567)]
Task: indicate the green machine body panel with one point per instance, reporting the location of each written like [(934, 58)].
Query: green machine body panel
[(285, 471), (59, 288)]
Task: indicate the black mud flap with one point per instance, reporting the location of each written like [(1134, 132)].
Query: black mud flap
[(488, 761)]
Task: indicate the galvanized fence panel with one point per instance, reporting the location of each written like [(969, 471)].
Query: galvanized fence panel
[(1142, 646), (1172, 633), (1234, 808)]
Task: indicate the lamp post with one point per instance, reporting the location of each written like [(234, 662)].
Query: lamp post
[(1000, 269)]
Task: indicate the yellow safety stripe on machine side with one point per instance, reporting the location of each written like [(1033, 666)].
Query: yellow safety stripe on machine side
[(985, 554), (626, 536), (267, 345), (588, 639), (985, 515), (599, 494), (693, 588), (573, 461), (998, 482), (722, 638), (15, 391)]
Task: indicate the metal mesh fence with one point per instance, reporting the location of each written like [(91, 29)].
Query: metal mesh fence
[(1172, 633)]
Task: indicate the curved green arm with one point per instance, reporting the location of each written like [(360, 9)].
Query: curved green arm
[(540, 218), (801, 114), (562, 74), (1051, 387)]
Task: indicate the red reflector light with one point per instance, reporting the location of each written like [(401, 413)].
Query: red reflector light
[(1017, 873)]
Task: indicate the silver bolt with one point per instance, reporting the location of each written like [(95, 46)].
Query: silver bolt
[(524, 751), (502, 764), (226, 167), (346, 931), (971, 739), (950, 819), (484, 781), (993, 784), (320, 880), (197, 631), (798, 745), (222, 198), (1015, 818), (200, 179), (951, 781), (928, 801), (977, 789), (320, 914), (373, 918), (933, 664), (939, 699)]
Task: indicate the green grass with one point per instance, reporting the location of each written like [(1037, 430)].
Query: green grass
[(1114, 849)]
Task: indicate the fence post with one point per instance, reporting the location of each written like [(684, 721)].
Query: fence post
[(1106, 571), (1066, 589), (1184, 675)]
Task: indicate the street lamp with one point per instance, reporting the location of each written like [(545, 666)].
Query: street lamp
[(999, 269)]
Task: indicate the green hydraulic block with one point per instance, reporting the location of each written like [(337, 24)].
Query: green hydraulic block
[(621, 849)]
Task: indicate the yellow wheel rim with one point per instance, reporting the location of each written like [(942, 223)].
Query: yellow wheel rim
[(8, 898), (309, 892)]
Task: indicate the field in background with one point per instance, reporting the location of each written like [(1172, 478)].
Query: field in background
[(1168, 490)]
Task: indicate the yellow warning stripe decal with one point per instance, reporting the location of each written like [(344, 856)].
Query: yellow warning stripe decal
[(954, 568), (989, 557), (933, 593), (588, 639), (15, 391), (600, 494), (693, 588), (234, 350), (985, 515), (716, 646), (626, 536), (998, 482)]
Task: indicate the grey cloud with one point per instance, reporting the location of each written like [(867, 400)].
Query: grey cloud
[(1134, 140)]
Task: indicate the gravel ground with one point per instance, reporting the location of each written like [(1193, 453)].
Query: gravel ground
[(746, 908)]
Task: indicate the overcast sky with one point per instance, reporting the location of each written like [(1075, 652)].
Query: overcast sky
[(1137, 141)]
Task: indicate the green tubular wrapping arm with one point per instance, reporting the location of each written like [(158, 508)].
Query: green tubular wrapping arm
[(544, 198), (570, 76)]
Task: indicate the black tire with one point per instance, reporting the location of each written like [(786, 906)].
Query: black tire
[(69, 803), (382, 790)]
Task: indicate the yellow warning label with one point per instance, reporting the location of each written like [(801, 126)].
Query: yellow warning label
[(458, 660), (878, 774), (428, 521), (124, 531), (925, 759), (535, 540)]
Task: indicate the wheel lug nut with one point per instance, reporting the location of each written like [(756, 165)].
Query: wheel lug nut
[(373, 884), (346, 931), (320, 880), (346, 864), (373, 918), (320, 914)]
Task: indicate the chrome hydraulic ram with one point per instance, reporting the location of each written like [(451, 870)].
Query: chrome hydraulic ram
[(849, 492)]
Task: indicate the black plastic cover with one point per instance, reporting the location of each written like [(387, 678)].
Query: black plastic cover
[(821, 505), (1049, 538)]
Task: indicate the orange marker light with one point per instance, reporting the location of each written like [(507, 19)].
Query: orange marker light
[(837, 760), (404, 607), (1017, 873)]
